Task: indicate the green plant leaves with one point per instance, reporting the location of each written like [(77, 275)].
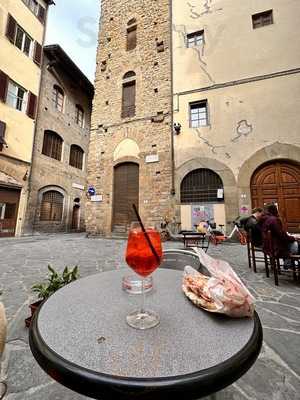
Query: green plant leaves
[(55, 281)]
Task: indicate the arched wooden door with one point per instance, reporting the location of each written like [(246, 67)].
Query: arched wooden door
[(126, 193), (279, 182)]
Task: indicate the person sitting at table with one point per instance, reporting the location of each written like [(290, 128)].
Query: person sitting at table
[(251, 225), (283, 244)]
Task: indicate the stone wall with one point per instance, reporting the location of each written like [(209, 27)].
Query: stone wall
[(150, 128), (51, 173)]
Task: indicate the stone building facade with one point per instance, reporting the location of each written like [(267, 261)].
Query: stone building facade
[(130, 155), (236, 98), (57, 183), (22, 31)]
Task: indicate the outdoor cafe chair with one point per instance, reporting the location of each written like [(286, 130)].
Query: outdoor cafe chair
[(275, 259), (256, 254)]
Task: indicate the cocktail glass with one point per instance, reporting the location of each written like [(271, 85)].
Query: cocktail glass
[(143, 255)]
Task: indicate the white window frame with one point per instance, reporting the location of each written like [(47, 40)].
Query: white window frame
[(200, 111), (33, 6), (13, 96), (24, 36), (195, 39)]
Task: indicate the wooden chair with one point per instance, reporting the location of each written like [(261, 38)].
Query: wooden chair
[(275, 259), (256, 254)]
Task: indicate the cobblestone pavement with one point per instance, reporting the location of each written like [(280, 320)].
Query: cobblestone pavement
[(275, 376)]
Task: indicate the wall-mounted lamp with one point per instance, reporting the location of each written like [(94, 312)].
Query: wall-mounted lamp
[(177, 128)]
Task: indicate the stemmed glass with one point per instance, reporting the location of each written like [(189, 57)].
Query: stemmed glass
[(143, 255)]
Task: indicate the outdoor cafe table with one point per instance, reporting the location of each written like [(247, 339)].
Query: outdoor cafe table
[(81, 339)]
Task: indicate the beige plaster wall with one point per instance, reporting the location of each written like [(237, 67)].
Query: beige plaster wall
[(233, 49), (22, 70), (243, 119)]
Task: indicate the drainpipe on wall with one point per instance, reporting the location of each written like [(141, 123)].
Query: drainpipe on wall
[(173, 191)]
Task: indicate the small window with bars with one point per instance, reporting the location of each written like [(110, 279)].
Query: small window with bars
[(76, 156), (198, 114), (201, 186), (195, 39), (262, 19), (58, 98), (52, 206), (52, 145)]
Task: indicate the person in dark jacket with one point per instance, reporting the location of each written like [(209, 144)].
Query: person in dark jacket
[(282, 244), (252, 226)]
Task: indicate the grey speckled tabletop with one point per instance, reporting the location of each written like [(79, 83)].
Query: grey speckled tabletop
[(187, 340)]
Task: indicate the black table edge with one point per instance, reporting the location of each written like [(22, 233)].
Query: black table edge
[(102, 386)]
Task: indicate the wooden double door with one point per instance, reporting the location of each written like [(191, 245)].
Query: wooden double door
[(279, 182), (9, 205), (126, 193)]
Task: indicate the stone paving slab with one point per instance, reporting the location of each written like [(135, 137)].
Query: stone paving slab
[(23, 261)]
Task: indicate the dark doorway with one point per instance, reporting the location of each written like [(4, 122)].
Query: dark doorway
[(279, 182), (126, 193), (9, 205), (76, 218)]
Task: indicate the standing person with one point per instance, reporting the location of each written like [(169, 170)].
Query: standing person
[(252, 224), (283, 243)]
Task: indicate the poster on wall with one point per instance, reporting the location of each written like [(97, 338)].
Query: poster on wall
[(202, 213)]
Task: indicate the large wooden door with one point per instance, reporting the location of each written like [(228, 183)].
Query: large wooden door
[(126, 193), (279, 182), (9, 204)]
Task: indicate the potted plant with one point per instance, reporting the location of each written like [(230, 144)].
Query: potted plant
[(54, 282)]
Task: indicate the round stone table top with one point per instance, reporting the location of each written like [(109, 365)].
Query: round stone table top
[(81, 338)]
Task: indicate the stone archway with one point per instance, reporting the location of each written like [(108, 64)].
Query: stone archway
[(227, 177)]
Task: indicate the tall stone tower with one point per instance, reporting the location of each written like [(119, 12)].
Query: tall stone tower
[(131, 157)]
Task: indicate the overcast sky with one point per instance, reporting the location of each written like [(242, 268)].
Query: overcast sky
[(73, 24)]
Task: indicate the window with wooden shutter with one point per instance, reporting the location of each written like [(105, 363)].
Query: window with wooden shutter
[(3, 86), (37, 56), (41, 14), (52, 145), (128, 95), (76, 156), (31, 106), (11, 28), (52, 206), (2, 134)]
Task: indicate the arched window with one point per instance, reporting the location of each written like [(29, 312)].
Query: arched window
[(52, 145), (52, 206), (76, 156), (201, 186), (128, 95), (79, 116), (58, 98), (131, 35)]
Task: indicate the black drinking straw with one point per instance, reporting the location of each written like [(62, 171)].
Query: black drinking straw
[(145, 233)]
